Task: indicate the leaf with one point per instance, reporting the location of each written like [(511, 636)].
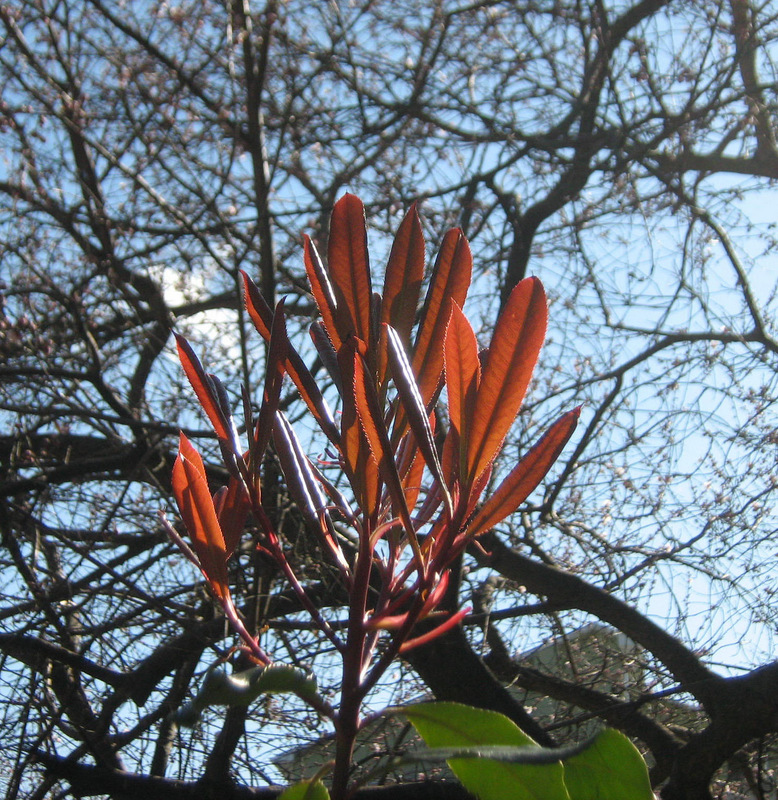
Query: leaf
[(447, 625), (298, 472), (525, 476), (262, 317), (327, 353), (529, 754), (322, 290), (306, 790), (304, 488), (463, 375), (366, 402), (513, 351), (411, 473), (232, 507), (360, 466), (415, 413), (496, 761), (456, 725), (404, 274), (260, 312), (204, 389), (402, 287), (450, 281), (277, 356), (609, 768), (286, 679), (349, 269), (190, 489)]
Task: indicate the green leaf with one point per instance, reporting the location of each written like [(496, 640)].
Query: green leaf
[(497, 761), (306, 790), (610, 768), (456, 725)]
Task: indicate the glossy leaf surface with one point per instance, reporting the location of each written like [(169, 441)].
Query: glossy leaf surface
[(496, 761), (412, 404), (322, 290)]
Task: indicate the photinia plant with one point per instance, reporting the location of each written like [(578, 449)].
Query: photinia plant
[(413, 508)]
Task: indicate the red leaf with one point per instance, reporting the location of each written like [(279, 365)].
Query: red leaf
[(262, 317), (412, 476), (327, 353), (232, 507), (259, 311), (190, 489), (204, 389), (525, 476), (304, 487), (322, 290), (404, 274), (349, 269), (277, 357), (402, 286), (413, 406), (449, 457), (463, 374), (360, 466), (513, 352), (450, 281), (366, 401)]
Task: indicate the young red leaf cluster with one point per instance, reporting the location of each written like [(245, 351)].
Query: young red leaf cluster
[(420, 505)]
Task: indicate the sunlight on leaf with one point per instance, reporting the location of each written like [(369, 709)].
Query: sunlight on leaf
[(349, 269), (611, 768), (456, 725), (525, 476), (190, 489), (306, 790), (450, 281), (513, 351)]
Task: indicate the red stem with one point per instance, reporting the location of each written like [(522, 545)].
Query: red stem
[(355, 659)]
